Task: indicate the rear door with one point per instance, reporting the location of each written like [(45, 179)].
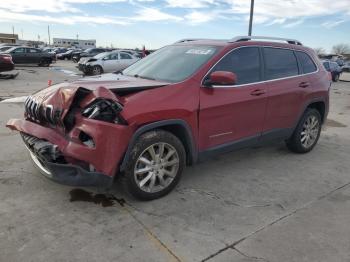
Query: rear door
[(33, 55), (126, 60), (232, 113), (286, 89)]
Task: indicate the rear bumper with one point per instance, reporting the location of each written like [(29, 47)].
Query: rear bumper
[(6, 67)]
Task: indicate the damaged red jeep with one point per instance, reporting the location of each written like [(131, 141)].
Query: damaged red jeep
[(183, 103)]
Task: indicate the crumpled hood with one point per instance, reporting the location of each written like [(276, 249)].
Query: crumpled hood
[(110, 86)]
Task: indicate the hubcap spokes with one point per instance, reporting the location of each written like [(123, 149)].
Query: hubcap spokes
[(310, 131), (156, 167)]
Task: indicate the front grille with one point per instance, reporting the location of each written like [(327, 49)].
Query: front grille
[(36, 111)]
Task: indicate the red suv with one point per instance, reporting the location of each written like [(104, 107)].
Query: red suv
[(181, 104)]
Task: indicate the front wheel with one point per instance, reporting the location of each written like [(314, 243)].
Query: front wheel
[(155, 165), (97, 70), (306, 133)]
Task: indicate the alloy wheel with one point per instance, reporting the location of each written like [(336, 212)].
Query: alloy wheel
[(156, 167), (310, 131)]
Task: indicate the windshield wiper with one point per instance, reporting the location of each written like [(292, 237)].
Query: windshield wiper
[(144, 77)]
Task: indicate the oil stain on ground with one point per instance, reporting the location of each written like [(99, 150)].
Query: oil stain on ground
[(333, 123), (105, 200)]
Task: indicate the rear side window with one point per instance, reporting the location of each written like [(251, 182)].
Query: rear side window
[(279, 63), (307, 65), (244, 62), (125, 56)]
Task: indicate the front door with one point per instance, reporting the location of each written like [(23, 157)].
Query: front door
[(111, 63), (19, 55), (234, 113)]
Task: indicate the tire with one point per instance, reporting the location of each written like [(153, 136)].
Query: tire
[(307, 132), (45, 62), (336, 78), (159, 177), (96, 70)]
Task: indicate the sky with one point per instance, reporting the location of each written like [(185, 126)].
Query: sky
[(155, 23)]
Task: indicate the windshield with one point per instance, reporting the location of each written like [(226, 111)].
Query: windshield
[(172, 63), (101, 55)]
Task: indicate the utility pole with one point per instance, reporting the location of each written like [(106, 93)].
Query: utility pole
[(13, 31), (22, 33), (251, 17), (48, 32)]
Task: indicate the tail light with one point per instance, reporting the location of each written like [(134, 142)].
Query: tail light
[(7, 58)]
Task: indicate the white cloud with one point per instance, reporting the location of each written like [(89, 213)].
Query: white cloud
[(288, 13), (190, 3), (152, 14), (196, 17), (67, 20), (331, 24), (294, 24)]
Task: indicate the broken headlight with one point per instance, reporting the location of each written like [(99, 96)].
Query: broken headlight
[(104, 110)]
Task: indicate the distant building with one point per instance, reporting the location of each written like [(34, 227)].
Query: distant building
[(32, 43), (8, 38), (66, 42)]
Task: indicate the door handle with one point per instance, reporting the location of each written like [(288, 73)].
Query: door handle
[(258, 92), (304, 84)]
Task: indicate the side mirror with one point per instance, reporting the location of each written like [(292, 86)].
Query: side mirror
[(222, 78)]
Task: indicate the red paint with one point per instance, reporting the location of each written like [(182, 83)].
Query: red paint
[(214, 115)]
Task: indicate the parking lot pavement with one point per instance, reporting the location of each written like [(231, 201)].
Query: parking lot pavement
[(259, 204), (34, 78)]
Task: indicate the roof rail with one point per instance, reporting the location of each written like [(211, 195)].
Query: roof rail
[(188, 40), (247, 38)]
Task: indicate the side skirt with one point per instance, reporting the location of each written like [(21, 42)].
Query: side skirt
[(264, 138)]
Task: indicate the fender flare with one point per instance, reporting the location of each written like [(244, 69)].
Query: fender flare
[(193, 152)]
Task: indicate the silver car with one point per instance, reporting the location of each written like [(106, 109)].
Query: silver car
[(106, 62)]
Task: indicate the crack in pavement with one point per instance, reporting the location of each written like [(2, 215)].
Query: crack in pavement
[(152, 235), (247, 256), (225, 201), (233, 245)]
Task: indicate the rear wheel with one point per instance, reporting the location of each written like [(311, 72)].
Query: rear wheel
[(307, 132), (155, 165), (45, 62), (336, 78)]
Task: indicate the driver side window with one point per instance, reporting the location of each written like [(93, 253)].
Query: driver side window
[(244, 62)]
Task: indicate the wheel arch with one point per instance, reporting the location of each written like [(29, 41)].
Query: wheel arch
[(177, 127), (320, 106)]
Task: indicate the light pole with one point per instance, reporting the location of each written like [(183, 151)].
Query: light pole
[(251, 17)]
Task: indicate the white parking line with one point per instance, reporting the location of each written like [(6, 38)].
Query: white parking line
[(19, 99), (68, 72)]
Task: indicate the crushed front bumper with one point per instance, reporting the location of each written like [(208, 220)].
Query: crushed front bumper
[(64, 159), (44, 154)]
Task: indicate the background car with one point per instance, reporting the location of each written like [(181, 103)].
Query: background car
[(346, 67), (29, 55), (106, 62), (334, 69), (68, 54), (91, 52), (4, 48), (6, 63)]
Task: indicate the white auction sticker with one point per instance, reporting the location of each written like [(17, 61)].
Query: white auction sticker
[(200, 51)]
